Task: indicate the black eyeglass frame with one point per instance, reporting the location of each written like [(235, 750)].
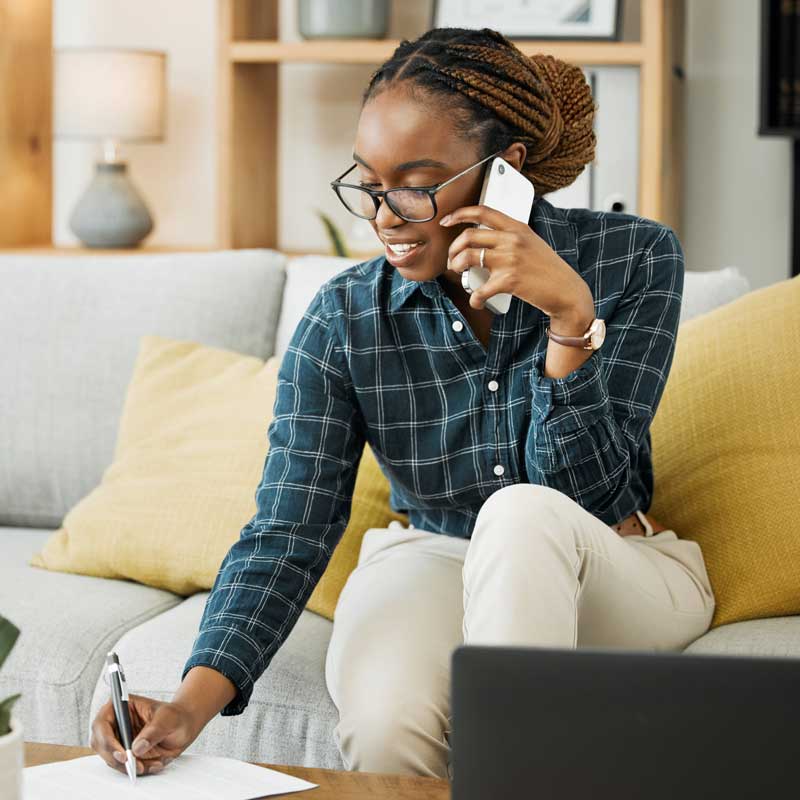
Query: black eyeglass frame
[(376, 193)]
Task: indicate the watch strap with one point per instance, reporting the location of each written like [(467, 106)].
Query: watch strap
[(583, 342)]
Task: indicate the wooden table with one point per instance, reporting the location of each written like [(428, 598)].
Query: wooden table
[(333, 784)]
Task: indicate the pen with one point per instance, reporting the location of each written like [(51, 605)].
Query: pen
[(119, 698)]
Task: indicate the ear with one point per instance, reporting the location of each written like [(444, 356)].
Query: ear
[(515, 155)]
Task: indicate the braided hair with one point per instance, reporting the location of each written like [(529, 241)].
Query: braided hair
[(491, 91)]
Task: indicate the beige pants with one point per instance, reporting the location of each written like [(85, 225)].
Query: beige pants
[(539, 570)]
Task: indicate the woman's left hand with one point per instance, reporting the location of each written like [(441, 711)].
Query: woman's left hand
[(519, 261)]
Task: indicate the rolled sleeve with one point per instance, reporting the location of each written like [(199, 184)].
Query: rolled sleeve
[(572, 401), (303, 502), (588, 427)]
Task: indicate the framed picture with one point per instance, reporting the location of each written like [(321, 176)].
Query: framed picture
[(533, 19)]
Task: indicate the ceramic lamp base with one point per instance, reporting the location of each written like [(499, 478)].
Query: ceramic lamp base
[(111, 213)]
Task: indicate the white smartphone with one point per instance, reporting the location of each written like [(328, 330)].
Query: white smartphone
[(505, 189)]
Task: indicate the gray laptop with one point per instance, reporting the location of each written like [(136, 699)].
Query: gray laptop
[(567, 724)]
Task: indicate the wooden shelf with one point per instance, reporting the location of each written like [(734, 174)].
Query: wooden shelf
[(376, 51), (78, 250)]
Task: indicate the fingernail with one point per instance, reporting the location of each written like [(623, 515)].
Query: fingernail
[(156, 768), (119, 756), (167, 760), (140, 747), (139, 768), (444, 220)]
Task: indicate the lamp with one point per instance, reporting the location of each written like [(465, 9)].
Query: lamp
[(110, 95)]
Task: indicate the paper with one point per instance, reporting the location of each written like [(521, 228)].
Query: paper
[(188, 776)]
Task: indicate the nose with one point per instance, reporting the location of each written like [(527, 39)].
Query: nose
[(386, 218)]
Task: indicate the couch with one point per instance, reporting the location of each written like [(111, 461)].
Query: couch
[(69, 331)]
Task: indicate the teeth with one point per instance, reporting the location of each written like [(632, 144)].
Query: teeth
[(398, 249)]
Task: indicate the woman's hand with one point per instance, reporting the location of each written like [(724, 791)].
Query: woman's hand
[(168, 728), (520, 262)]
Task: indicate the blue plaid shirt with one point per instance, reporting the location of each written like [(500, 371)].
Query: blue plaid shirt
[(377, 358)]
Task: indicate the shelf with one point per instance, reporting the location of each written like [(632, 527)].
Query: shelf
[(376, 51), (78, 250)]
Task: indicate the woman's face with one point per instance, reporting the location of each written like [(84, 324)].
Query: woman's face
[(394, 129)]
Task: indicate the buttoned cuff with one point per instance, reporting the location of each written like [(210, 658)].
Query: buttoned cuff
[(572, 401)]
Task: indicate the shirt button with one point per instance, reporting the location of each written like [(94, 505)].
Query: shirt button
[(493, 386), (499, 469), (458, 325)]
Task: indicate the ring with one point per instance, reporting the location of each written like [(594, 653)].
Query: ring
[(483, 250)]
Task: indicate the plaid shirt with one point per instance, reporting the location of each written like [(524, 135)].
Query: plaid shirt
[(393, 362)]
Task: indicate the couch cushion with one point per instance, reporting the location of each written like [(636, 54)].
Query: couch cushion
[(304, 276), (779, 636), (190, 450), (67, 625), (69, 332), (290, 717), (706, 290), (725, 442)]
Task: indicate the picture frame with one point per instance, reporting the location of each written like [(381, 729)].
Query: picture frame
[(591, 20)]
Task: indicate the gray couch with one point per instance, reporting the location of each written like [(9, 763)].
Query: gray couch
[(69, 331)]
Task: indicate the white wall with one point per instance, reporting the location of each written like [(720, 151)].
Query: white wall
[(737, 185), (177, 178)]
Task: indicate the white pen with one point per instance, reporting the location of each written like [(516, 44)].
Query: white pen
[(119, 699)]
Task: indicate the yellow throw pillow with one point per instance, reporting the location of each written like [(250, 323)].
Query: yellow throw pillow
[(189, 455), (726, 450)]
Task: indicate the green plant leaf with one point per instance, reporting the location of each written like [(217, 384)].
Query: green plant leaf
[(8, 635), (5, 713), (337, 240)]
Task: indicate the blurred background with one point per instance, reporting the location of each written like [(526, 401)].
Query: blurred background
[(251, 138)]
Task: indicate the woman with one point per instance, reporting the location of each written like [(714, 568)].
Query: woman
[(524, 462)]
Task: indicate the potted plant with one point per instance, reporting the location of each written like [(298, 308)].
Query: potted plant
[(334, 234), (11, 754)]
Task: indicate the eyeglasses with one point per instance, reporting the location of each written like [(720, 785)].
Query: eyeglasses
[(417, 204)]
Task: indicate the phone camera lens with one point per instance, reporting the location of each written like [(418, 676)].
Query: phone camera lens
[(501, 169)]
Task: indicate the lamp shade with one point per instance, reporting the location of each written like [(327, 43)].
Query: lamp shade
[(109, 94)]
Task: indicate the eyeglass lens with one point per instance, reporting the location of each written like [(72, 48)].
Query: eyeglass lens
[(406, 202)]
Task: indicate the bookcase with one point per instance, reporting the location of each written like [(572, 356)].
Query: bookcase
[(250, 55)]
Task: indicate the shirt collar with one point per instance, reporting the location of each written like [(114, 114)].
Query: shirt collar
[(548, 221)]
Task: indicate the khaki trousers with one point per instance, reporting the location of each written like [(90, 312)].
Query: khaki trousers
[(539, 570)]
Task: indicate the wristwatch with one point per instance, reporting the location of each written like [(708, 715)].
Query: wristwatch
[(591, 340)]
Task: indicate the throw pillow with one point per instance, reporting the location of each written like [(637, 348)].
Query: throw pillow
[(190, 452), (726, 450)]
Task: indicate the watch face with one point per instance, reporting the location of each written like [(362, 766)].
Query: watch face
[(598, 334)]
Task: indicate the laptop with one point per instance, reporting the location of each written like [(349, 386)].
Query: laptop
[(552, 724)]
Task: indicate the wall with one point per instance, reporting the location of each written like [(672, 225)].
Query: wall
[(177, 178), (737, 185)]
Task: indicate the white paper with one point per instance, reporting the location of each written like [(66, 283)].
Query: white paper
[(192, 777)]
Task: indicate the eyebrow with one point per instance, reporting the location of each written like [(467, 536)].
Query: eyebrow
[(406, 165)]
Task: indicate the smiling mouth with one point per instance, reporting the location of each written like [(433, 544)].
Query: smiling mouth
[(402, 257)]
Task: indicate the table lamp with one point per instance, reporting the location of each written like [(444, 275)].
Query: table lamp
[(110, 95)]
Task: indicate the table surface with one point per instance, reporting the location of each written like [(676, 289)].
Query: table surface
[(333, 784)]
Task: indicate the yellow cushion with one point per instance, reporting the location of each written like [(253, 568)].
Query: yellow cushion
[(189, 455), (726, 450)]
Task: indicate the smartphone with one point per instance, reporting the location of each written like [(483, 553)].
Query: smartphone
[(505, 189)]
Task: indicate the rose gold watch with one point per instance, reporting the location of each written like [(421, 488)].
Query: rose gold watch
[(591, 340)]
